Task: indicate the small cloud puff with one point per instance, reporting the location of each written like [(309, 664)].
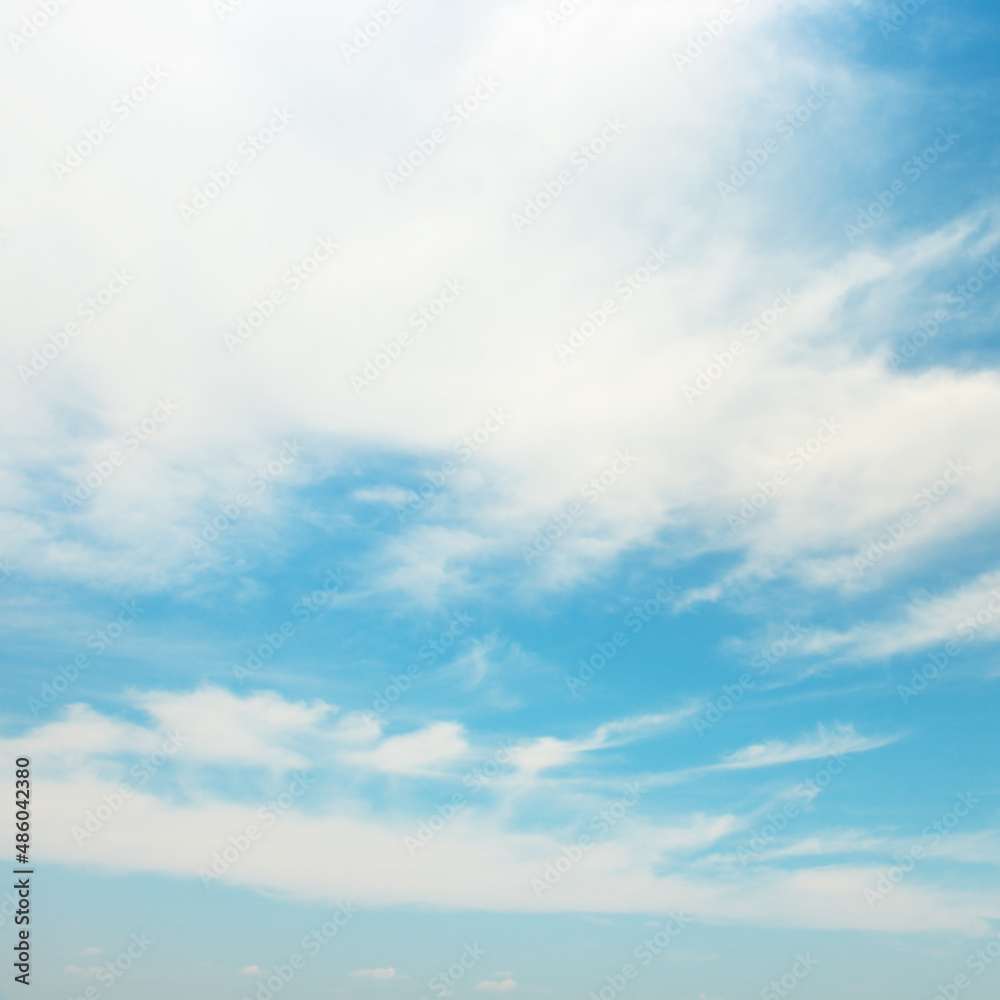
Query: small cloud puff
[(389, 973), (494, 987)]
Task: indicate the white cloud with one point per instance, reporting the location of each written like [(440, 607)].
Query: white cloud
[(492, 986), (967, 613), (568, 420), (385, 494), (389, 973), (840, 740), (548, 752), (261, 730), (77, 970), (251, 970), (339, 849), (414, 753)]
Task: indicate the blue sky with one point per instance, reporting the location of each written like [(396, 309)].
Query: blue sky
[(339, 593)]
